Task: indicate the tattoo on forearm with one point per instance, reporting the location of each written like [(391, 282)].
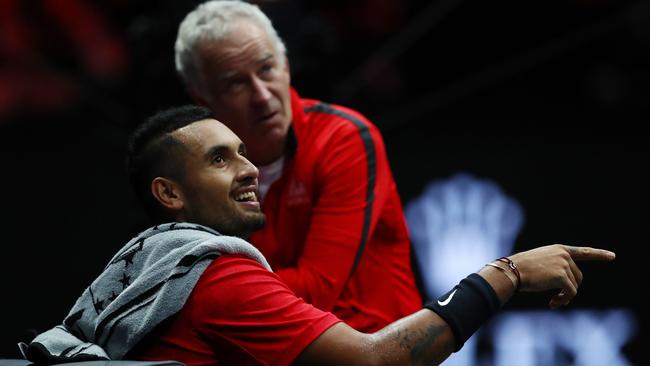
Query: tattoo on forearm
[(419, 342), (404, 338)]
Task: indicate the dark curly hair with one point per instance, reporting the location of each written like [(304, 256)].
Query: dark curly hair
[(153, 152)]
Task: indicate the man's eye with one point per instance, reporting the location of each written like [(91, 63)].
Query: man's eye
[(218, 159), (236, 85), (266, 70)]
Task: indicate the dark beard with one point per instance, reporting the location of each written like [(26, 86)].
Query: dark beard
[(241, 227)]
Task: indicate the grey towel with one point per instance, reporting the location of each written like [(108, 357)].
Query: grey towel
[(146, 282)]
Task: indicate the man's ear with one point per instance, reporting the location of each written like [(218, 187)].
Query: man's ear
[(287, 67), (168, 193)]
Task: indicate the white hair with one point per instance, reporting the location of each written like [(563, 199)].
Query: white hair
[(212, 21)]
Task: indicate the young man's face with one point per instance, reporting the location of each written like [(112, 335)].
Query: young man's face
[(219, 185), (248, 88)]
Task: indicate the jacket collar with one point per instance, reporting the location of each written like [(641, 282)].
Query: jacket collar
[(297, 120)]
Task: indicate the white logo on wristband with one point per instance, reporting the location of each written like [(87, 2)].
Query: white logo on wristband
[(445, 302)]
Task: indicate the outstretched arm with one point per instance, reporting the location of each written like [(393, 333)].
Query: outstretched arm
[(424, 338)]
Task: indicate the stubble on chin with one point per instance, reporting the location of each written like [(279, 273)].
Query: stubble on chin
[(252, 224), (244, 226)]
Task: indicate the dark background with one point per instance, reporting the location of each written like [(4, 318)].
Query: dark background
[(547, 98)]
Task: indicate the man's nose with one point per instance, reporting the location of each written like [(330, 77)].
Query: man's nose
[(247, 170), (261, 92)]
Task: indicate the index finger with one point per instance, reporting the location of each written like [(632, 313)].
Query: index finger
[(588, 253)]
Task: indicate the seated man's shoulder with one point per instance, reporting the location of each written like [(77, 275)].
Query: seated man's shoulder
[(230, 281)]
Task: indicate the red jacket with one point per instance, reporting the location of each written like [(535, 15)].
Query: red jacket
[(335, 232)]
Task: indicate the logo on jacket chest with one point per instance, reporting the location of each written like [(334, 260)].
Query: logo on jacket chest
[(297, 194)]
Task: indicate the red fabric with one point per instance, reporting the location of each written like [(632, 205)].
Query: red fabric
[(315, 218), (238, 314)]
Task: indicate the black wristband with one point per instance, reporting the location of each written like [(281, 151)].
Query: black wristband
[(466, 307)]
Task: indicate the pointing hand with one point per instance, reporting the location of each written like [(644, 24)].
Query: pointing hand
[(553, 267)]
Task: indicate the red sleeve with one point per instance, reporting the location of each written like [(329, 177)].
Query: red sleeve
[(238, 303), (354, 182)]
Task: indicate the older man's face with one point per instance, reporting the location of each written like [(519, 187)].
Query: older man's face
[(248, 89)]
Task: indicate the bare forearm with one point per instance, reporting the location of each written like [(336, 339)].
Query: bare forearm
[(426, 337), (422, 338)]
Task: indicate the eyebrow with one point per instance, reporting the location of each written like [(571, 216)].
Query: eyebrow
[(231, 74), (266, 58), (220, 149), (215, 150)]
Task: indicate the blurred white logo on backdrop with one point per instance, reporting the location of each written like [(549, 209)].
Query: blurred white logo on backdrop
[(459, 224)]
